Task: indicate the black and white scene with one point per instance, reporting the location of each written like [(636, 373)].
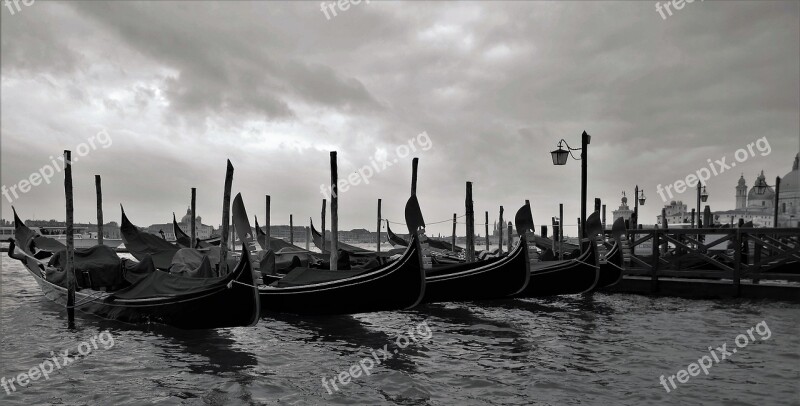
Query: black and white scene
[(366, 202)]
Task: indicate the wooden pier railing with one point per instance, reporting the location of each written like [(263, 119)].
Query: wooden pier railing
[(727, 255)]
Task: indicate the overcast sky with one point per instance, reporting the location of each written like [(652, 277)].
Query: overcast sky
[(181, 86)]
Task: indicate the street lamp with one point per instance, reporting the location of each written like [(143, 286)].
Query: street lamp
[(702, 196), (761, 188), (637, 200), (560, 155), (560, 158)]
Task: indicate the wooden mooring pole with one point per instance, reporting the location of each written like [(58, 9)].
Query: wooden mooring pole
[(500, 231), (291, 229), (510, 234), (378, 229), (226, 217), (192, 221), (70, 266), (324, 243), (334, 212), (604, 220), (470, 224), (99, 190), (453, 240), (267, 225), (655, 263), (561, 231), (487, 231)]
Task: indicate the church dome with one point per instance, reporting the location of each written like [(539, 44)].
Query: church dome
[(790, 183)]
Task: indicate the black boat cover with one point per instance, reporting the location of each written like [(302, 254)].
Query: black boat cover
[(192, 263), (95, 267), (134, 271), (162, 284)]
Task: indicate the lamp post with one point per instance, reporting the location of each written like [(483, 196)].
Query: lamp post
[(638, 199), (560, 158), (702, 195), (761, 188)]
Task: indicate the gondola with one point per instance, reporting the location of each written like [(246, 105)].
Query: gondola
[(277, 245), (151, 296), (397, 285), (141, 244), (486, 279), (325, 247), (566, 277), (442, 247)]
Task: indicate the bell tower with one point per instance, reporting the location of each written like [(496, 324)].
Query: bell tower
[(741, 193)]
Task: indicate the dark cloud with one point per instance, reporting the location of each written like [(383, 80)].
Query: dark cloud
[(181, 86)]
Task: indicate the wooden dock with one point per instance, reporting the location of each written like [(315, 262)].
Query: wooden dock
[(756, 263)]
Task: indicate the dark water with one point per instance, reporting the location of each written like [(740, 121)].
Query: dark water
[(604, 350)]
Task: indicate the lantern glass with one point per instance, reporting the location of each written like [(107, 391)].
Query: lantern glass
[(559, 156), (704, 195), (641, 198)]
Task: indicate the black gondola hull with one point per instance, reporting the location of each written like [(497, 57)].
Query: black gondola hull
[(234, 305), (564, 278), (483, 280), (398, 285)]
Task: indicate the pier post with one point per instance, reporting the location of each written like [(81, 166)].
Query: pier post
[(510, 239), (334, 212), (500, 231), (268, 226), (192, 221), (737, 266), (585, 139), (487, 231), (414, 165), (777, 200), (554, 240), (70, 266), (99, 190), (580, 234), (655, 263), (561, 231), (597, 205), (226, 217), (604, 221), (454, 233), (291, 229), (378, 239), (324, 239), (756, 259), (470, 224), (308, 238)]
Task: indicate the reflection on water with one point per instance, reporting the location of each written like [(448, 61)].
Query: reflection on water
[(593, 349)]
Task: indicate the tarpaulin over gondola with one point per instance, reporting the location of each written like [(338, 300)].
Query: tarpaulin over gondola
[(95, 267), (160, 284)]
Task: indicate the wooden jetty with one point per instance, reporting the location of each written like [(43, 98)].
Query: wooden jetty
[(757, 263)]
